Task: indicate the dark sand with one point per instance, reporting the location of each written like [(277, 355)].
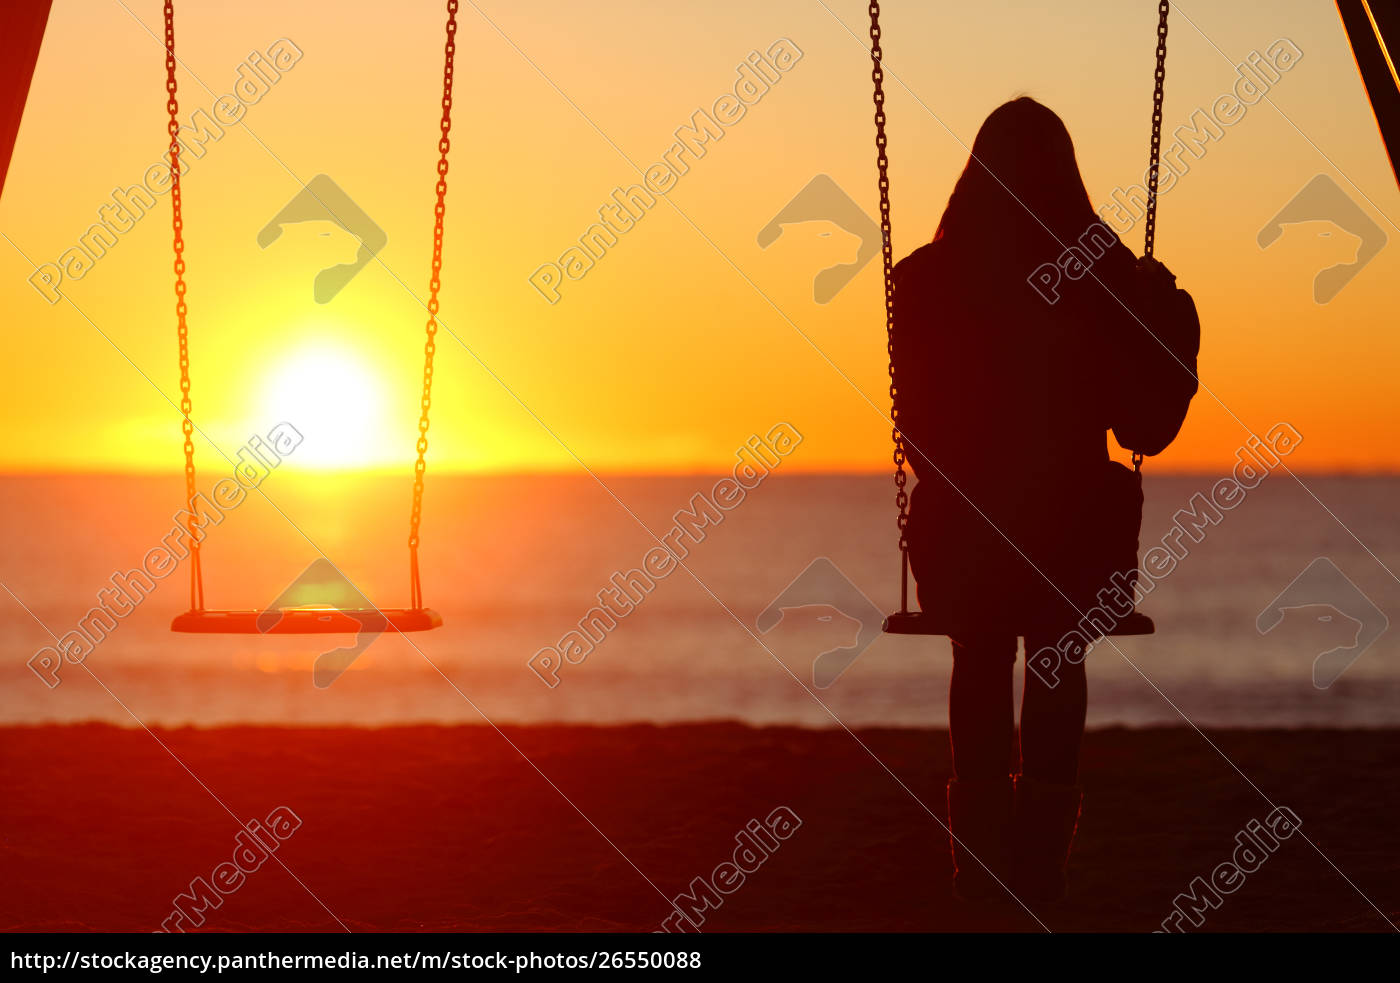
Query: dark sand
[(433, 828)]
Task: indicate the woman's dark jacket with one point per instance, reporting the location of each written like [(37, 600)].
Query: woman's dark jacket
[(1019, 519)]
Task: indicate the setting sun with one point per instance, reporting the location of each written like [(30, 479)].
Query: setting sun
[(333, 398)]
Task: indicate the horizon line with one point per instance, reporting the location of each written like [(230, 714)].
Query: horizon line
[(386, 472)]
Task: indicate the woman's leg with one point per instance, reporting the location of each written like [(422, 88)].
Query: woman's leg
[(981, 726), (1052, 721), (981, 711), (1047, 794)]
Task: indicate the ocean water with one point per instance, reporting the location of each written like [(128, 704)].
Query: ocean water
[(514, 563)]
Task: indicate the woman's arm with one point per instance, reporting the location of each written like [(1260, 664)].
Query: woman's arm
[(913, 316), (1156, 375)]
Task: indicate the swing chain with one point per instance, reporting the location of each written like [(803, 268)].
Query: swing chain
[(182, 328), (877, 74), (434, 285), (1149, 234), (1149, 226)]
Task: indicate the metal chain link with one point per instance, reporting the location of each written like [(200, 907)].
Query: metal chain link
[(434, 284), (1149, 227), (1149, 234), (178, 224), (882, 162)]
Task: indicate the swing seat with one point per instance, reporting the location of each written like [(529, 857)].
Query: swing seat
[(339, 608), (308, 620), (917, 623)]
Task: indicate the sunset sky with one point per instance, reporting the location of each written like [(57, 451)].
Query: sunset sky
[(686, 337)]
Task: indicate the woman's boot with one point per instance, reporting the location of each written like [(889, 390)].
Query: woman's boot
[(1046, 817), (979, 821)]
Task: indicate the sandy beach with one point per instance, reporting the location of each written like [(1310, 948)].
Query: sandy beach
[(434, 829)]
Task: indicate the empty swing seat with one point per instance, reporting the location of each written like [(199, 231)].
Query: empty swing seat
[(309, 620), (321, 601), (918, 623)]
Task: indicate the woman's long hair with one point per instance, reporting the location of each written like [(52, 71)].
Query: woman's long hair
[(1020, 197)]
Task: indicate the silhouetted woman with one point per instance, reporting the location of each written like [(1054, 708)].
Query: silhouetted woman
[(1014, 355)]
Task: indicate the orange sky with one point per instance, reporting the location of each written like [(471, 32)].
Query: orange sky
[(686, 337)]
